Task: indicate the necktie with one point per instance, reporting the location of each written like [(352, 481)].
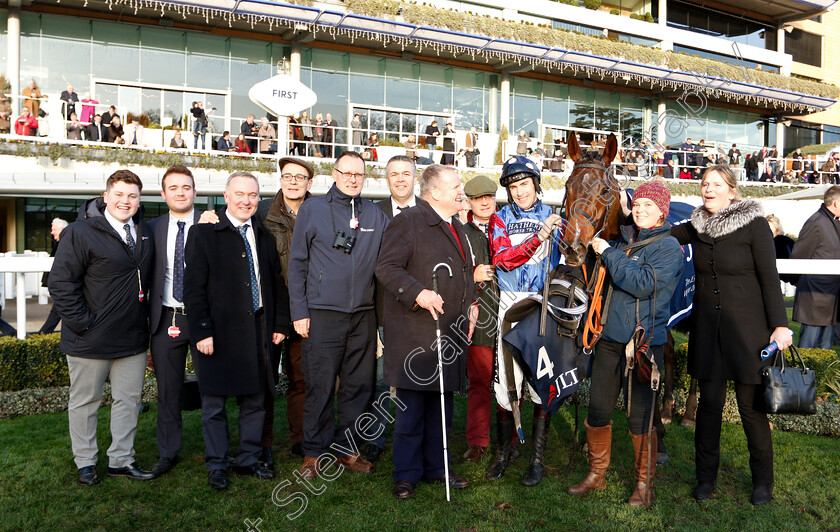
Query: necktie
[(457, 239), (255, 294), (401, 209), (178, 279), (129, 239)]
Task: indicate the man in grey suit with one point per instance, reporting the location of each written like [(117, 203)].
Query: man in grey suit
[(170, 336)]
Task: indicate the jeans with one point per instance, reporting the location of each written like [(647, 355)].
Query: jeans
[(199, 129), (815, 336)]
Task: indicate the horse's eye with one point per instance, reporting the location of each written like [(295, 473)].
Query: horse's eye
[(605, 191)]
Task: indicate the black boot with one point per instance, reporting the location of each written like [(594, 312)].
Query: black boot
[(539, 435), (504, 455)]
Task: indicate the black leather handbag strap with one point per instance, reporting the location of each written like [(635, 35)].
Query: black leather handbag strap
[(780, 355)]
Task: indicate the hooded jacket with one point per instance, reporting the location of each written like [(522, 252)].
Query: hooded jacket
[(323, 277), (96, 282), (650, 271)]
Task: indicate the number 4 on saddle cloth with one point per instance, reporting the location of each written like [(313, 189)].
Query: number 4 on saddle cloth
[(548, 363)]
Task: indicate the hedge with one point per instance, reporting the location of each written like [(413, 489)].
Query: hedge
[(35, 362)]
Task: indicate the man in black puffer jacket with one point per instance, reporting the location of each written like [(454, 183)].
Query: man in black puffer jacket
[(99, 282)]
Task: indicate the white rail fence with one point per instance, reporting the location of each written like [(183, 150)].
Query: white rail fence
[(22, 272)]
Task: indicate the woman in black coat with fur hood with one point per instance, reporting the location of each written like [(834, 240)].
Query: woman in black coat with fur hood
[(738, 310)]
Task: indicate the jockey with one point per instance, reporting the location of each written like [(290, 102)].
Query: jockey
[(522, 251)]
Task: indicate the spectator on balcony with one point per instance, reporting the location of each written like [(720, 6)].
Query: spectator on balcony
[(796, 165), (773, 159), (249, 129), (734, 156), (686, 153), (330, 126), (5, 114), (668, 171), (134, 133), (448, 145), (116, 131), (26, 124), (97, 131), (108, 116), (88, 109), (199, 125), (410, 145), (432, 133), (74, 128), (267, 134), (318, 129), (177, 142), (32, 97), (306, 128), (370, 152), (69, 97), (751, 166), (522, 143), (225, 143), (358, 134), (241, 144)]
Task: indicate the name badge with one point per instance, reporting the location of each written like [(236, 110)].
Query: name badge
[(174, 331)]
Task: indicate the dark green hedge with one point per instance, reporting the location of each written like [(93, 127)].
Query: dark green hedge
[(816, 359), (35, 362)]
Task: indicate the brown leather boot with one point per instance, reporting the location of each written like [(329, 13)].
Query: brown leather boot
[(599, 443), (645, 469)]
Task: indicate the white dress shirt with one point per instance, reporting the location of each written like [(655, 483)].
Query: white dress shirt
[(395, 207), (252, 241), (171, 234), (119, 227)]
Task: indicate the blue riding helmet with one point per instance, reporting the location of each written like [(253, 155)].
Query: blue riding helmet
[(517, 168)]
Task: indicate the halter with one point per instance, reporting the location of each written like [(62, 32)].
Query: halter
[(595, 165)]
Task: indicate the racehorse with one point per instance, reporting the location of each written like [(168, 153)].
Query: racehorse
[(592, 207)]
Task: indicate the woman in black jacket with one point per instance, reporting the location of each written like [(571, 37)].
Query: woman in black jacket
[(738, 310)]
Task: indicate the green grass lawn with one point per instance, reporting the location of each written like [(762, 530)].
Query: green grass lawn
[(38, 490)]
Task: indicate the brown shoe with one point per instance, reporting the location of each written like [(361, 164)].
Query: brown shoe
[(474, 453), (599, 445), (355, 462), (309, 469), (456, 481), (645, 468), (403, 489)]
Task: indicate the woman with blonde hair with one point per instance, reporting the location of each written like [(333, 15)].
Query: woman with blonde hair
[(33, 96), (738, 310)]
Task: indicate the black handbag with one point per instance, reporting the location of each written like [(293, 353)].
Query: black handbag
[(789, 389)]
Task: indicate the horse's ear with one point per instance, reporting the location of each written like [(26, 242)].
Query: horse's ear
[(574, 150), (610, 150)]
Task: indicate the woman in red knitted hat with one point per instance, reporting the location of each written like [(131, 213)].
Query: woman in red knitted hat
[(644, 270)]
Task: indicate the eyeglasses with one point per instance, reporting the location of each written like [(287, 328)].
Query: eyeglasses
[(350, 175), (288, 178)]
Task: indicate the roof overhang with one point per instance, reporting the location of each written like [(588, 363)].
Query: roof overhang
[(266, 16), (780, 11)]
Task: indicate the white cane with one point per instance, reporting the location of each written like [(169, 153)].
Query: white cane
[(440, 381)]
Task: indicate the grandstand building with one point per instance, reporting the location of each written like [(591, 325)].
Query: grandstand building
[(751, 72)]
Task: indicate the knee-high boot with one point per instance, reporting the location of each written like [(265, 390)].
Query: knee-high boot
[(539, 435), (599, 444), (505, 451), (645, 468)]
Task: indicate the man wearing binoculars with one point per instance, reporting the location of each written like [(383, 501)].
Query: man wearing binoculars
[(331, 284)]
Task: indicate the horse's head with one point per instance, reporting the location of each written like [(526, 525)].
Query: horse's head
[(592, 201)]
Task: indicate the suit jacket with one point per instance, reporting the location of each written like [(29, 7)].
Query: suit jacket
[(817, 295), (159, 228), (217, 296), (413, 244)]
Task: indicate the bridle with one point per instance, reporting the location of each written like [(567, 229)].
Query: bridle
[(595, 165)]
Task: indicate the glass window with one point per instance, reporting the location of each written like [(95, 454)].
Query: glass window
[(526, 109), (831, 134), (117, 51), (250, 63), (65, 53), (435, 88), (469, 99), (555, 103), (173, 108), (162, 57), (632, 116), (606, 111), (150, 100), (401, 87), (580, 107), (207, 64), (366, 82), (804, 47), (3, 24), (129, 99), (30, 47)]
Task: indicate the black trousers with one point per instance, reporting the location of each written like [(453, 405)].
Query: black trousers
[(707, 432), (340, 345), (251, 418), (607, 382), (418, 439), (169, 355)]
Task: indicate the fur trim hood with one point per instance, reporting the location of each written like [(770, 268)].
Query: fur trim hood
[(727, 220)]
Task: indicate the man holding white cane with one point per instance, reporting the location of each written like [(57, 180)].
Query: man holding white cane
[(421, 241)]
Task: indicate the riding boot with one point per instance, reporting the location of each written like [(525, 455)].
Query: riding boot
[(539, 435), (504, 452), (599, 447), (645, 469)]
